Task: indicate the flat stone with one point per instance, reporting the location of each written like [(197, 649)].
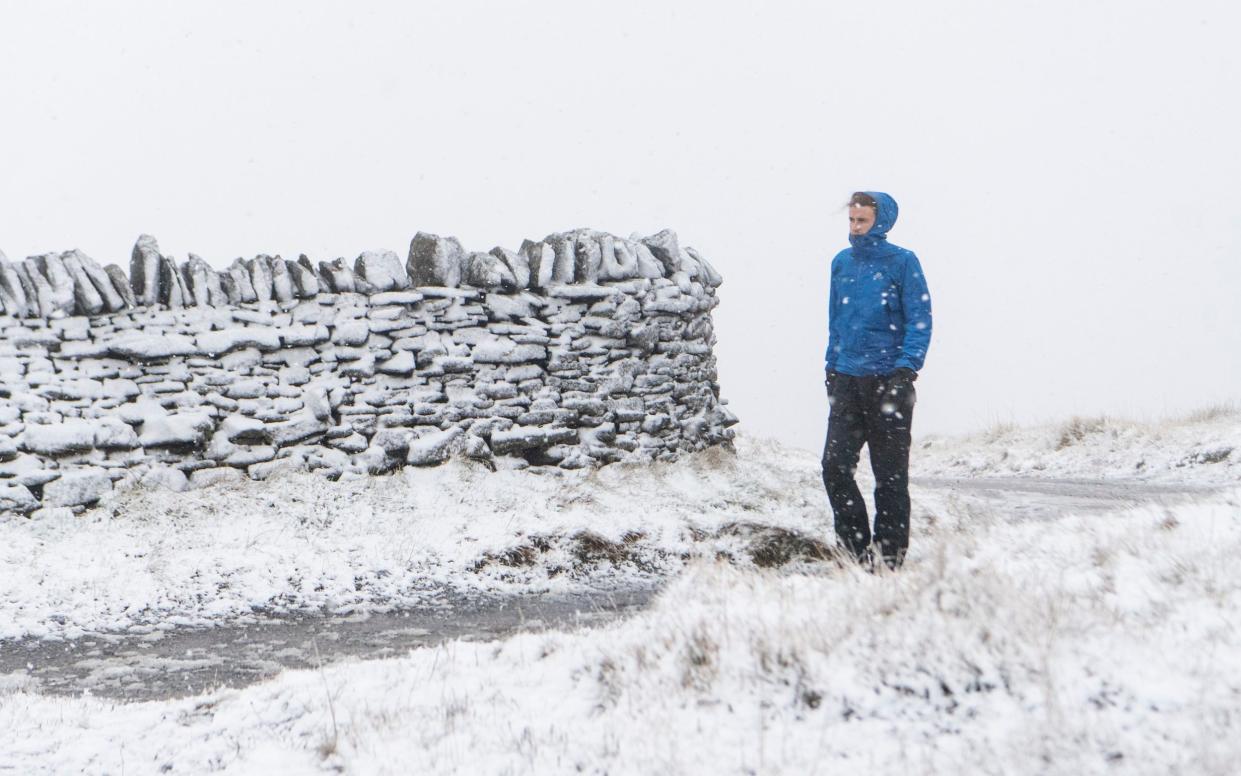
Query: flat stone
[(150, 347), (225, 340), (17, 498), (433, 448), (529, 438), (77, 488), (68, 436), (165, 478)]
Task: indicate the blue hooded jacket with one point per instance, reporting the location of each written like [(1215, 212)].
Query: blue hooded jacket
[(879, 318)]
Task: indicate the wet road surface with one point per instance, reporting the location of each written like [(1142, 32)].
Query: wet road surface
[(187, 661)]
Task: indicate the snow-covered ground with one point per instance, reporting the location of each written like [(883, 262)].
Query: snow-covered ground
[(1099, 643), (1204, 447)]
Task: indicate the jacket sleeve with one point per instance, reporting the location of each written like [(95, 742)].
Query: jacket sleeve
[(833, 337), (916, 302)]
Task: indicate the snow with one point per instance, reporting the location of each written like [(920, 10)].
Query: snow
[(1202, 447), (1093, 643), (59, 438), (152, 346), (82, 486)]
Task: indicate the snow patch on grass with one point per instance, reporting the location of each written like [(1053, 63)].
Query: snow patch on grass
[(1202, 447)]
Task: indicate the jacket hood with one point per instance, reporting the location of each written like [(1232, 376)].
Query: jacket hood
[(874, 244)]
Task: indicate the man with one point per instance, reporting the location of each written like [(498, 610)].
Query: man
[(879, 328)]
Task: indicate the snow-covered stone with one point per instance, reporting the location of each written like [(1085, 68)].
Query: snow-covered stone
[(485, 270), (165, 478), (17, 498), (150, 347), (435, 261), (541, 260), (402, 363), (77, 488), (351, 333), (60, 282), (281, 282), (434, 448), (87, 299), (214, 476), (260, 277), (305, 279), (121, 285), (12, 293), (226, 340), (68, 436), (340, 278), (521, 438), (144, 271), (517, 264), (383, 270)]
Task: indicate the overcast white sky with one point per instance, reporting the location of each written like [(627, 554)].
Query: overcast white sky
[(1067, 171)]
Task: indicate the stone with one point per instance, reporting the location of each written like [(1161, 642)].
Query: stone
[(304, 336), (60, 283), (38, 289), (175, 430), (521, 438), (241, 283), (214, 477), (619, 260), (281, 282), (484, 270), (114, 434), (87, 300), (195, 272), (351, 333), (226, 340), (340, 278), (541, 259), (17, 498), (148, 347), (305, 280), (588, 259), (121, 285), (707, 273), (664, 247), (12, 293), (403, 298), (144, 271), (649, 267), (403, 363), (260, 276), (172, 289), (434, 448), (565, 258), (165, 478), (517, 264), (299, 428), (435, 261), (68, 436), (77, 488), (383, 270)]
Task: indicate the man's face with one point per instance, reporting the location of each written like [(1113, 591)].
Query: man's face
[(861, 219)]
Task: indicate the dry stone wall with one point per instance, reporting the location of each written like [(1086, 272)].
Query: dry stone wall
[(577, 350)]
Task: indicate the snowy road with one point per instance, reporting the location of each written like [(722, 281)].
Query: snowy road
[(187, 661), (1018, 498)]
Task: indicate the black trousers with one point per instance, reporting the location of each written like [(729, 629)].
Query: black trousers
[(868, 411)]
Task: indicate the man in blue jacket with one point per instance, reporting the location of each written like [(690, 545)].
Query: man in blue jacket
[(879, 328)]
